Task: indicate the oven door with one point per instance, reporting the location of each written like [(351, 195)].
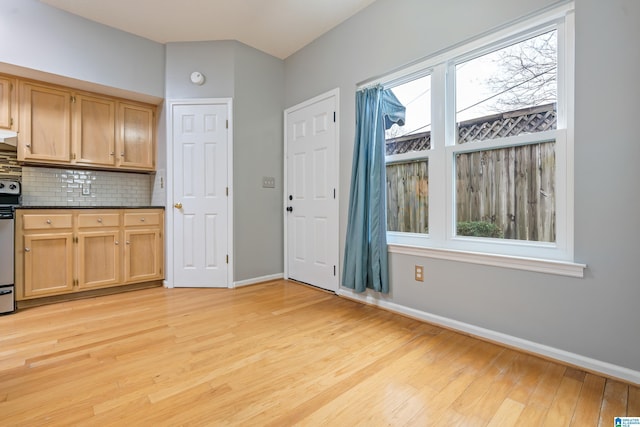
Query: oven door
[(6, 248)]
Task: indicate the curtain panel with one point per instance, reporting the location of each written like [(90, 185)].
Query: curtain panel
[(365, 258)]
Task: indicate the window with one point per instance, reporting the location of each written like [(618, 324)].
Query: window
[(408, 172), (490, 170), (506, 189)]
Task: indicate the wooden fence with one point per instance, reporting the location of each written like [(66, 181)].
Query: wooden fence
[(513, 188), (407, 197)]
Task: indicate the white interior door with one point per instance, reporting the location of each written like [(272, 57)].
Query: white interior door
[(200, 195), (311, 199)]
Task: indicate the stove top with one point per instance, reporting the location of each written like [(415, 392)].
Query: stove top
[(9, 193)]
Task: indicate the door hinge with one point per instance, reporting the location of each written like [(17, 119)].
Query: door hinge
[(73, 99), (227, 259), (227, 191), (75, 239), (227, 125), (334, 193), (11, 123), (334, 270), (334, 117), (74, 156)]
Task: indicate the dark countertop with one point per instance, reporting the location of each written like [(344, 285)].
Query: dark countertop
[(90, 207)]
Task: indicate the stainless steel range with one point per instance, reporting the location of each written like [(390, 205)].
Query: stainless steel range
[(9, 200)]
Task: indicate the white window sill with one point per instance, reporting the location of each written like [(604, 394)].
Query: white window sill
[(561, 268)]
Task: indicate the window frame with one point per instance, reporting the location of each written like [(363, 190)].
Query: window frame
[(442, 242)]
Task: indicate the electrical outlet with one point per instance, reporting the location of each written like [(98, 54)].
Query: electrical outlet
[(86, 189), (419, 273), (268, 182)]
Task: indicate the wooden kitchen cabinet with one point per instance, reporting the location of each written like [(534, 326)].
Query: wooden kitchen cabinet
[(136, 146), (8, 105), (94, 131), (65, 126), (143, 252), (99, 249), (62, 251), (47, 254), (45, 124)]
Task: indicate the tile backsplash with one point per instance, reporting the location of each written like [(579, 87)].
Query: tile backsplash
[(78, 187), (9, 167)]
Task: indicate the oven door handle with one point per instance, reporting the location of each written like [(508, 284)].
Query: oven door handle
[(6, 292)]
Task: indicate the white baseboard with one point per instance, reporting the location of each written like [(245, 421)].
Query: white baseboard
[(586, 363), (258, 280)]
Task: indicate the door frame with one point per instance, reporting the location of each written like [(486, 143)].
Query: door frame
[(169, 210), (336, 94)]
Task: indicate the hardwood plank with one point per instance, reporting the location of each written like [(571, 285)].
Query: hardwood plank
[(274, 354), (614, 402), (564, 403), (633, 407), (507, 414), (589, 401)]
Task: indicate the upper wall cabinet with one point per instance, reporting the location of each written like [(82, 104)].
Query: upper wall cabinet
[(136, 136), (94, 131), (8, 108), (63, 126), (45, 124)]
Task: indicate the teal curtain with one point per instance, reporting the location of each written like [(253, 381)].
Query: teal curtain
[(365, 258)]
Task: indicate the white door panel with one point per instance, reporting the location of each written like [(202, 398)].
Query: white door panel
[(200, 144), (312, 224)]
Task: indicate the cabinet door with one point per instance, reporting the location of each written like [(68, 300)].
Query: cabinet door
[(48, 264), (98, 259), (94, 131), (142, 255), (45, 124), (8, 103), (136, 136)]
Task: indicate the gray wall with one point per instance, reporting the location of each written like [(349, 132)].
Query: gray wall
[(42, 42), (258, 152), (38, 37), (255, 81), (597, 316)]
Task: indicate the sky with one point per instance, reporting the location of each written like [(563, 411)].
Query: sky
[(474, 95)]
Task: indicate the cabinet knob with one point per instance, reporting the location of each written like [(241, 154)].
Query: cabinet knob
[(27, 249), (28, 146), (100, 220), (113, 153), (128, 242), (117, 243), (141, 219), (122, 154), (48, 221)]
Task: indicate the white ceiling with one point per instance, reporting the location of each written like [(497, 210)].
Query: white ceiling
[(277, 27)]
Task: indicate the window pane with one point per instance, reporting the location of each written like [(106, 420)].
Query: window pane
[(508, 92), (408, 197), (507, 193), (415, 135)]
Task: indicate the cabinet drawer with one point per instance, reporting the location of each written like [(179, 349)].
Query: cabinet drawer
[(44, 222), (141, 218), (98, 220)]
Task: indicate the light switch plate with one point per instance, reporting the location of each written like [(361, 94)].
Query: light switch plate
[(268, 182)]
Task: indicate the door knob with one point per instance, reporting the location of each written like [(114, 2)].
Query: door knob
[(178, 205)]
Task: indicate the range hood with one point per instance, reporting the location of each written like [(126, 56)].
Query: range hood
[(8, 140)]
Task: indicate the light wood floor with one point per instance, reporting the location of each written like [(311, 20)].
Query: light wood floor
[(276, 354)]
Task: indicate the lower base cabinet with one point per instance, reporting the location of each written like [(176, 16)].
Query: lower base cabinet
[(73, 250)]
